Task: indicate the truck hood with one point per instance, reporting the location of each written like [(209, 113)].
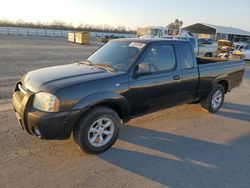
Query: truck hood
[(50, 78)]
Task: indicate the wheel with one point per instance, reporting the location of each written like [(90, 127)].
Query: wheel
[(214, 99), (209, 54), (97, 130)]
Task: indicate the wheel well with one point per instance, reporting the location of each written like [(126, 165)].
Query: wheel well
[(111, 105), (209, 54), (114, 107), (224, 84)]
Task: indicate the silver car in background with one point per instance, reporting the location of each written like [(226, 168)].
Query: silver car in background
[(202, 47), (207, 47), (243, 49)]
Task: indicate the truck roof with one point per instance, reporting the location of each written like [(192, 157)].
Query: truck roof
[(148, 40)]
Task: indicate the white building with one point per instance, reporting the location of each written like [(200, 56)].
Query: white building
[(201, 30)]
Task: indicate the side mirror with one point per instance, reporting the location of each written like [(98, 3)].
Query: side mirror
[(144, 68)]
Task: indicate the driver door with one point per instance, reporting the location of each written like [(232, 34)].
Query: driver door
[(160, 87)]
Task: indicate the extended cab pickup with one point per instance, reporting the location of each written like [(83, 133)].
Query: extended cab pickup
[(123, 79)]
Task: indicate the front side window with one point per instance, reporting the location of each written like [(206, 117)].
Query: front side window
[(160, 57)]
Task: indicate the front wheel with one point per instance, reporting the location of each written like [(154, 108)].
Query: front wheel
[(98, 130), (214, 100)]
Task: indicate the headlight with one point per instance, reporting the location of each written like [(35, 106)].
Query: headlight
[(46, 102)]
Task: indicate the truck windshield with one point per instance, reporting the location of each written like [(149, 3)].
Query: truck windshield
[(116, 54)]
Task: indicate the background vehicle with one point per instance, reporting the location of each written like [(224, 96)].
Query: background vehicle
[(152, 32), (243, 50), (124, 79), (203, 46), (173, 29), (207, 47), (240, 43)]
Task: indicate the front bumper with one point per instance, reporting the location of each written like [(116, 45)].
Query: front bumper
[(46, 125)]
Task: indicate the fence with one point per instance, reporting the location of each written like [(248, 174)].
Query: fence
[(55, 33)]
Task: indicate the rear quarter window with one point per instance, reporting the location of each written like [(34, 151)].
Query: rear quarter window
[(187, 55)]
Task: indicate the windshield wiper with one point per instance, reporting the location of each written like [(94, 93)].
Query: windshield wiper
[(99, 65), (87, 62), (105, 66)]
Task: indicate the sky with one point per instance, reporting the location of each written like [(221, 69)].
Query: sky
[(130, 13)]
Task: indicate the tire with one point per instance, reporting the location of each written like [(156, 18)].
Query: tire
[(97, 130), (214, 99), (209, 54)]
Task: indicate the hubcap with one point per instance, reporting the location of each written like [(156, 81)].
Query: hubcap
[(216, 99), (101, 132)]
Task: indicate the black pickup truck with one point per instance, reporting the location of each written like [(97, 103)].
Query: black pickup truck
[(123, 79)]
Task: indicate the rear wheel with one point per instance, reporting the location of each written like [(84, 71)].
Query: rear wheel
[(214, 100), (209, 54), (98, 130)]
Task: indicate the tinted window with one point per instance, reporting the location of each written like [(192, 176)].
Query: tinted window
[(161, 57), (187, 56)]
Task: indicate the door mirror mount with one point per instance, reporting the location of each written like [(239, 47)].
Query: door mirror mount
[(143, 69)]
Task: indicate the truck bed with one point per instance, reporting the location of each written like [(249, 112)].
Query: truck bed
[(207, 60), (211, 69)]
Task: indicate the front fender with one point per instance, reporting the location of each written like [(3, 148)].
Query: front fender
[(104, 97)]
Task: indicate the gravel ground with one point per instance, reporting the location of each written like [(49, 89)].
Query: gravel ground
[(22, 54), (179, 147)]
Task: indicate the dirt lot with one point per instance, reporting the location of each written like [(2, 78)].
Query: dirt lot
[(22, 54), (178, 147)]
